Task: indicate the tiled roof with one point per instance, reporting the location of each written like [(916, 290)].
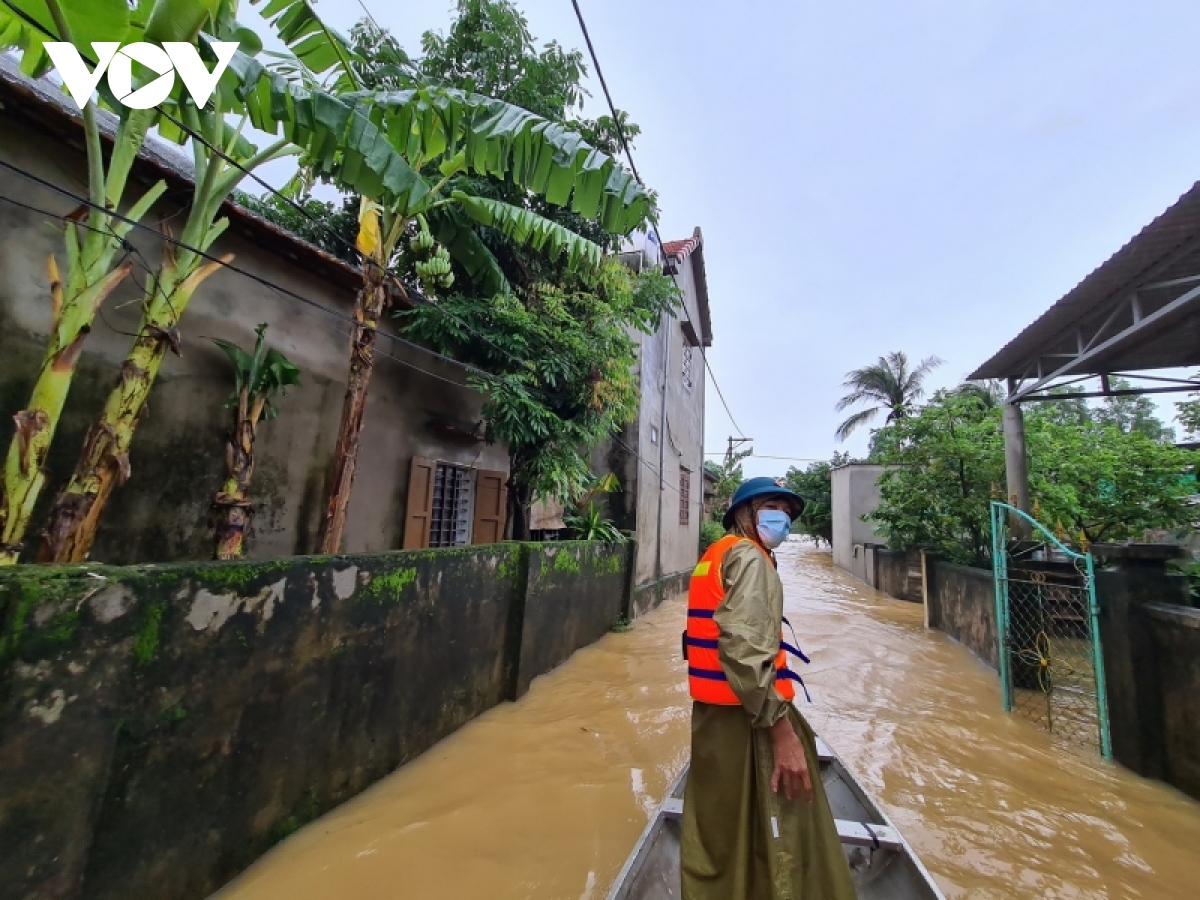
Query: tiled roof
[(692, 249), (681, 250)]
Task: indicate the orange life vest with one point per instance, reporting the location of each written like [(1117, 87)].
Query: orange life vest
[(706, 678)]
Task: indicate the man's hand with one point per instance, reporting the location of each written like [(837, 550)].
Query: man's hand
[(791, 765)]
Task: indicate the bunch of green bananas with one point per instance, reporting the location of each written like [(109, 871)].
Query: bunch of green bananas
[(432, 262), (435, 272), (421, 244)]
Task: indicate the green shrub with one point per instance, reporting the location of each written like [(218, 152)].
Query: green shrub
[(710, 533)]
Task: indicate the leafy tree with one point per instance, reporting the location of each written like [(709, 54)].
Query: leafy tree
[(1188, 413), (104, 460), (948, 457), (555, 360), (258, 378), (1094, 480), (1071, 411), (329, 226), (1132, 413), (1104, 484), (988, 393), (728, 474), (888, 384), (815, 484)]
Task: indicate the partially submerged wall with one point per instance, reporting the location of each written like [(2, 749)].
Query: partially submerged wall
[(1175, 636), (896, 572), (1151, 644), (162, 726), (962, 604)]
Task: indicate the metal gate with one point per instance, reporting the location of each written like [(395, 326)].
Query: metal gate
[(1048, 627)]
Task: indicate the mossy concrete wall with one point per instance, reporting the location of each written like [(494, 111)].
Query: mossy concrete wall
[(574, 593), (648, 597), (163, 726)]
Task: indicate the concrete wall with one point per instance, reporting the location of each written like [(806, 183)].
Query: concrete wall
[(161, 727), (895, 572), (962, 604), (177, 455), (1175, 637), (1152, 668), (855, 494), (574, 592)]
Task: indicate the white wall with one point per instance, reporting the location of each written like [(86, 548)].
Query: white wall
[(855, 494)]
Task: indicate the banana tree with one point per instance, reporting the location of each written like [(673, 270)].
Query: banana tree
[(104, 460), (395, 143), (440, 133), (92, 239), (259, 378)]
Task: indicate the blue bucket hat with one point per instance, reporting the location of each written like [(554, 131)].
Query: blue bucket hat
[(763, 487)]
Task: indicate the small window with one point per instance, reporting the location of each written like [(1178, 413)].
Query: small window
[(687, 365), (450, 519), (653, 435), (685, 494)]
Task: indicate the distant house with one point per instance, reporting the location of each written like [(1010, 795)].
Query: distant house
[(425, 477), (710, 493)]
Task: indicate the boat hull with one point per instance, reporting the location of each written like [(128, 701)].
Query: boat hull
[(882, 864)]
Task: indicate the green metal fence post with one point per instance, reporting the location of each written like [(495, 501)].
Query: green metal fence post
[(1098, 663), (1000, 579)]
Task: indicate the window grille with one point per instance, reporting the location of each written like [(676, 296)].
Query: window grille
[(453, 492), (685, 494), (687, 365)]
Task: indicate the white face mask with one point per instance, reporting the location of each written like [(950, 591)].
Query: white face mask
[(774, 526)]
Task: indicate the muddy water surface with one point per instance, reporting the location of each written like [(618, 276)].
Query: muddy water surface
[(544, 798)]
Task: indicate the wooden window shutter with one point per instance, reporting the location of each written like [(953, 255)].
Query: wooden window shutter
[(420, 503), (491, 507)]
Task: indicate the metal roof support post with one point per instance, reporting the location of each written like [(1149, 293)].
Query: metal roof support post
[(1016, 465)]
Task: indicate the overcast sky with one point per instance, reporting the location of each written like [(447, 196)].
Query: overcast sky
[(926, 176)]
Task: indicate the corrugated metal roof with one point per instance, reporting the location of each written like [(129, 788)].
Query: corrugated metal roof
[(1168, 247)]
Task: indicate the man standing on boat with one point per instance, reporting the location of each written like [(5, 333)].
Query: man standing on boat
[(756, 822)]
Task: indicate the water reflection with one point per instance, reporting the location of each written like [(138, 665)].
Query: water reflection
[(544, 798)]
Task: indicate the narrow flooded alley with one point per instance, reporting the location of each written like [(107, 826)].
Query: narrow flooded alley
[(544, 798)]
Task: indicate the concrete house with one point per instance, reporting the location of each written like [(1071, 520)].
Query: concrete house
[(660, 457), (425, 478)]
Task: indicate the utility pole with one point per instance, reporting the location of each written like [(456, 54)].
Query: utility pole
[(732, 442), (1016, 464)]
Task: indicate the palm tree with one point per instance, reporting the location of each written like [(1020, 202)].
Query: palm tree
[(989, 393), (888, 384)]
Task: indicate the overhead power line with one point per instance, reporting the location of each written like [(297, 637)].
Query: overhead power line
[(653, 225)]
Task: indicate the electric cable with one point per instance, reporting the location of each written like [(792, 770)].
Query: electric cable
[(653, 225)]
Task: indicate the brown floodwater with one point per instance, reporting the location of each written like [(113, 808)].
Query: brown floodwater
[(544, 798)]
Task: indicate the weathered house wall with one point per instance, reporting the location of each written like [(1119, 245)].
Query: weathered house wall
[(163, 726), (178, 452), (665, 507)]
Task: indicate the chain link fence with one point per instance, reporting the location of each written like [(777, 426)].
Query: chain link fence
[(1051, 654)]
